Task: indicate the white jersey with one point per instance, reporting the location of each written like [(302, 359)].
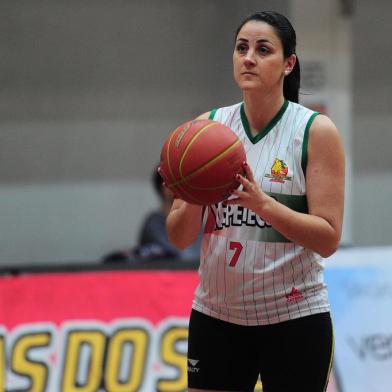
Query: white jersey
[(250, 274)]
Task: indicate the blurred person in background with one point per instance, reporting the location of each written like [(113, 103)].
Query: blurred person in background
[(153, 234), (153, 243)]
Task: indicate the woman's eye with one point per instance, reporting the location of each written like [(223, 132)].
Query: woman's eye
[(241, 48), (263, 50)]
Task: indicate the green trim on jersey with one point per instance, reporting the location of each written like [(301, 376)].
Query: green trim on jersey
[(304, 157), (212, 114), (295, 202), (263, 132), (268, 233)]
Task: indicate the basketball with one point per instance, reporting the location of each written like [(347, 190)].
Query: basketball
[(200, 160)]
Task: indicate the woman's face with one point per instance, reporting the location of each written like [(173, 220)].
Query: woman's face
[(258, 58)]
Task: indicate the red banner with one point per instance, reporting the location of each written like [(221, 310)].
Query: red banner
[(57, 297), (95, 331)]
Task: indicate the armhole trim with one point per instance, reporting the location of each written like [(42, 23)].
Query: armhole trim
[(304, 156), (212, 114)]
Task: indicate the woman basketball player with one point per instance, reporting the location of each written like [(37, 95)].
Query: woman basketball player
[(261, 307)]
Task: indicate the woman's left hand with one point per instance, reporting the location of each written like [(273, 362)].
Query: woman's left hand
[(250, 196)]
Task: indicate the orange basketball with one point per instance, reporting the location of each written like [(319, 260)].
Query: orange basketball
[(200, 160)]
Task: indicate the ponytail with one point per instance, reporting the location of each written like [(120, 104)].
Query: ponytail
[(292, 83)]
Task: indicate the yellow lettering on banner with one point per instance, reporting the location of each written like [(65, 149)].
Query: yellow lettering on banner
[(21, 364), (259, 386), (172, 357), (96, 341), (2, 364), (139, 339)]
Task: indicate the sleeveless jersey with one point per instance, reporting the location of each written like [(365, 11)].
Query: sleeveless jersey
[(250, 274)]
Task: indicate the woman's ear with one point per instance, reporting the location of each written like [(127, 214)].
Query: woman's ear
[(289, 64)]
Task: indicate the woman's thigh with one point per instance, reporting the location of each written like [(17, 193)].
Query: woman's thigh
[(297, 355), (221, 356)]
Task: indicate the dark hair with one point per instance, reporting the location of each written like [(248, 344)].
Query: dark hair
[(286, 33)]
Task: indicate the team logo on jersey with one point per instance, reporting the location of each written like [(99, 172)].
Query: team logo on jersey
[(279, 172)]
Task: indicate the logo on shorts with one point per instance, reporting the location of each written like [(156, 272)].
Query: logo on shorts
[(192, 368), (294, 295), (279, 172)]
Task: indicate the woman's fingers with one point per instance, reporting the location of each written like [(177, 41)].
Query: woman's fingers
[(247, 184), (248, 172), (248, 187)]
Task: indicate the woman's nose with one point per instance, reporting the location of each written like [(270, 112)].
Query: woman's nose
[(249, 58)]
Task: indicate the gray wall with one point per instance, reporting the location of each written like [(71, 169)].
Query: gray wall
[(372, 135), (148, 65)]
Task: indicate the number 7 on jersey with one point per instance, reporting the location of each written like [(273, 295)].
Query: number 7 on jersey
[(237, 247)]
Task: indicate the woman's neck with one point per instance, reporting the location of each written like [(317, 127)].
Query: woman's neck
[(261, 109)]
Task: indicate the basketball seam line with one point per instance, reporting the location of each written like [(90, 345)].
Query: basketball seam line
[(205, 165), (170, 168), (194, 137)]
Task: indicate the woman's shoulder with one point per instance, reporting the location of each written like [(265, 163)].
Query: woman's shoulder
[(318, 121), (323, 131), (204, 116)]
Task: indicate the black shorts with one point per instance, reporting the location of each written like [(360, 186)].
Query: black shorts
[(294, 355)]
